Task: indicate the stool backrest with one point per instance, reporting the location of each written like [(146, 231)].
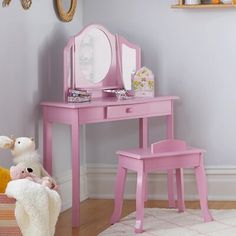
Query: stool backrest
[(168, 145)]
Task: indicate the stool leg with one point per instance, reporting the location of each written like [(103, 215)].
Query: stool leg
[(119, 192), (140, 191), (170, 183), (180, 189), (202, 190)]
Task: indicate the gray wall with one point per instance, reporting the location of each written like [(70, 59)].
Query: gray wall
[(31, 55), (192, 53)]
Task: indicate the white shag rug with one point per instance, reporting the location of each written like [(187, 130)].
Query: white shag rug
[(168, 222)]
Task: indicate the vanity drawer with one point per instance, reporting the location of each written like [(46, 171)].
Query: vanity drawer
[(144, 110)]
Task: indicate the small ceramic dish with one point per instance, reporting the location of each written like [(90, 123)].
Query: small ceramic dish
[(192, 2), (226, 1)]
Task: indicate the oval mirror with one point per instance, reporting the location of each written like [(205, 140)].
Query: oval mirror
[(94, 56)]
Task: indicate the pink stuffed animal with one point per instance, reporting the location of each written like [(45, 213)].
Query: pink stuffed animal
[(21, 172), (24, 152)]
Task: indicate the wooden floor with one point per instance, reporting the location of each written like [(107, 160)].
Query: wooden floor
[(95, 215)]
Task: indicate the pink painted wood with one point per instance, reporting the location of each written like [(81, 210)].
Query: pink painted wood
[(113, 79), (170, 173), (123, 41), (143, 143), (74, 79), (101, 109), (97, 111), (164, 155)]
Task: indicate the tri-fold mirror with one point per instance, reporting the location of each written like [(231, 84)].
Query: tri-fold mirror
[(96, 60)]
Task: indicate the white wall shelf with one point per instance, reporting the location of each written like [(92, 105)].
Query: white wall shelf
[(181, 5)]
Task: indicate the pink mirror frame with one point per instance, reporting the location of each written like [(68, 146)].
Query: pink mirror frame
[(113, 79), (122, 41)]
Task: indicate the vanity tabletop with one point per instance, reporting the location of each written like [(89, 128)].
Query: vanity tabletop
[(107, 101)]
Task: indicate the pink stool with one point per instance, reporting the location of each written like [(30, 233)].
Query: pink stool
[(163, 155)]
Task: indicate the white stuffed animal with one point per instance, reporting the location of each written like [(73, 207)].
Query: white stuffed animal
[(23, 151)]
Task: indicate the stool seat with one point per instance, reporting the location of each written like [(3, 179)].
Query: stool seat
[(163, 155), (142, 153)]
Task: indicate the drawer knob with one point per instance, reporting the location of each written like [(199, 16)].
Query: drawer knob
[(129, 110)]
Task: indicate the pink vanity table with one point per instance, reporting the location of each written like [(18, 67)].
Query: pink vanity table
[(77, 74)]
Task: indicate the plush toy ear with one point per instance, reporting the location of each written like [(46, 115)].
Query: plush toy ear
[(6, 142)]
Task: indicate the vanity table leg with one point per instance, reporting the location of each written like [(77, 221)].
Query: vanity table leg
[(143, 132), (47, 145), (170, 173), (143, 143), (75, 137)]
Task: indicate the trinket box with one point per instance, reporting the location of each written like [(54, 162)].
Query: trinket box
[(76, 96), (143, 83)]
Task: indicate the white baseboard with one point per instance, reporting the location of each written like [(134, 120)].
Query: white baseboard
[(221, 183), (65, 183)]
